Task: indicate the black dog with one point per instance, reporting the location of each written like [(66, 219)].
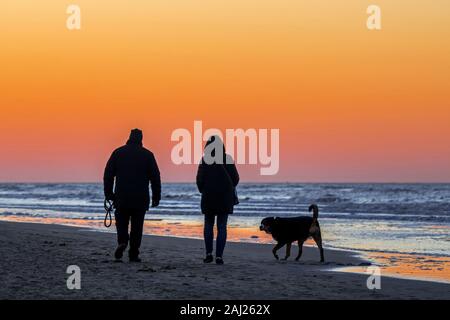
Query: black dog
[(287, 230)]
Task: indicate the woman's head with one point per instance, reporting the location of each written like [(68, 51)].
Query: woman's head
[(214, 150)]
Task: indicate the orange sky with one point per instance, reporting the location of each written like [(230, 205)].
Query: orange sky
[(351, 104)]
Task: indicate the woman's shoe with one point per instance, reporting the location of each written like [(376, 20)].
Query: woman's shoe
[(208, 259), (219, 260), (135, 259)]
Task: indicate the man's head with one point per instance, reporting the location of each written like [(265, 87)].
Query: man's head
[(135, 137)]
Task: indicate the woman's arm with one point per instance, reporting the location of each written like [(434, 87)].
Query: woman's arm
[(200, 176), (232, 171)]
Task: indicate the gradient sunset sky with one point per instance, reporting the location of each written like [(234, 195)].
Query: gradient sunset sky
[(351, 104)]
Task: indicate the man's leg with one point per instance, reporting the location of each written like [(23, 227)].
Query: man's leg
[(122, 218), (222, 220), (137, 226)]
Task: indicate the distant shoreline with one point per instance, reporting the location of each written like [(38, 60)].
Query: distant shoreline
[(246, 182)]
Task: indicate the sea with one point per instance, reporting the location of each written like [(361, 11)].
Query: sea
[(391, 218)]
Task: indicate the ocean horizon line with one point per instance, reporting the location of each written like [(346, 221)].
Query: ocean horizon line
[(251, 182)]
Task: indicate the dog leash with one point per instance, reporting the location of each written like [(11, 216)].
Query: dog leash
[(109, 207)]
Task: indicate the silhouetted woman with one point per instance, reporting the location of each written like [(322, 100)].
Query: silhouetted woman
[(217, 179)]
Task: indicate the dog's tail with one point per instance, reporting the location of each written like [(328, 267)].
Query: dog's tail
[(315, 209)]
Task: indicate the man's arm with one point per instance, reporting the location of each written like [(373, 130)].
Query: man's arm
[(108, 177), (155, 181)]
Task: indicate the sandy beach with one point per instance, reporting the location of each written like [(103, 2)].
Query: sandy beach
[(35, 258)]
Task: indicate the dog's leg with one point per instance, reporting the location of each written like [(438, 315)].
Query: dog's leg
[(318, 239), (300, 250), (288, 251), (276, 248)]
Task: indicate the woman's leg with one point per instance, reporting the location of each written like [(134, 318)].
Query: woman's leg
[(208, 233), (221, 234)]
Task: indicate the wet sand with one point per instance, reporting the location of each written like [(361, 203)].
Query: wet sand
[(35, 258), (401, 265)]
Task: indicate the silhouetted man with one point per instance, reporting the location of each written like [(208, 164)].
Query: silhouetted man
[(133, 168)]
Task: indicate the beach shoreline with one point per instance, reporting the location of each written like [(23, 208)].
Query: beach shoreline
[(412, 266), (36, 257)]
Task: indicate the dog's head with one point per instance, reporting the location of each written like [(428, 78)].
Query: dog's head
[(267, 225)]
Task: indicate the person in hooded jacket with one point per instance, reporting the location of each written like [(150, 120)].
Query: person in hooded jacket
[(126, 180), (217, 178)]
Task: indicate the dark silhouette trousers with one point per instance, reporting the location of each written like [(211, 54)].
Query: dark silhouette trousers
[(208, 233), (123, 217)]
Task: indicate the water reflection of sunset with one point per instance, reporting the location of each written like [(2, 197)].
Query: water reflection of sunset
[(409, 266), (159, 227)]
